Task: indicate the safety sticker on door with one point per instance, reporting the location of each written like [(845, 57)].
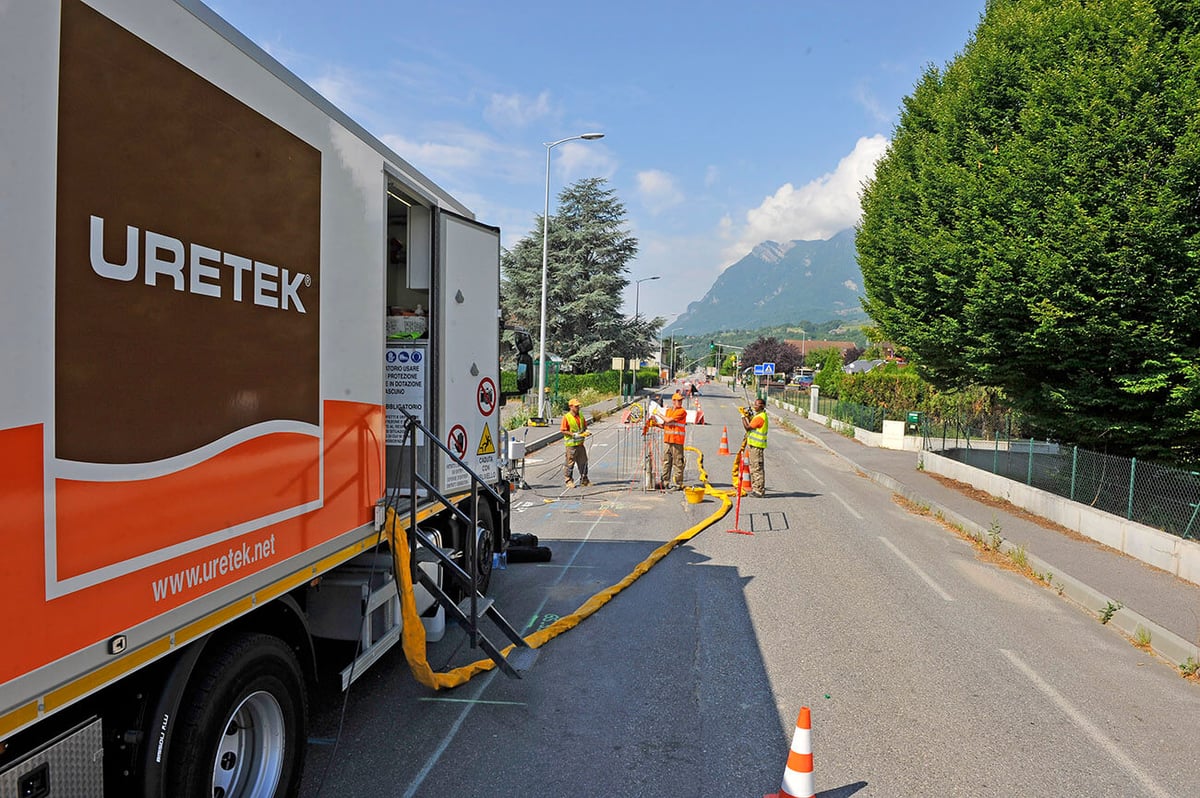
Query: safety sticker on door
[(486, 445)]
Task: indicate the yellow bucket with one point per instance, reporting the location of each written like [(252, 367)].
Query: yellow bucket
[(694, 495)]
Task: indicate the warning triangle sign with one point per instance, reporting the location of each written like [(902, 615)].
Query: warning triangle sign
[(486, 445)]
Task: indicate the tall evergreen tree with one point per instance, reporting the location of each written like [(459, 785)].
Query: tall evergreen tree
[(589, 250), (1035, 224)]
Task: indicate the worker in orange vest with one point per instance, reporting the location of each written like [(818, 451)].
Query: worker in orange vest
[(674, 426)]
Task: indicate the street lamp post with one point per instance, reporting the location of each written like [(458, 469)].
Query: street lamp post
[(545, 249), (674, 348), (637, 287)]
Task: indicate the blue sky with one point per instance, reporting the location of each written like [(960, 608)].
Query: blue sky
[(726, 124)]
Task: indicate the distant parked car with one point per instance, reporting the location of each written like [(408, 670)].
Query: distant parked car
[(802, 377)]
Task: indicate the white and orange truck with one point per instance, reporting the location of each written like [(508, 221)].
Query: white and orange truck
[(224, 308)]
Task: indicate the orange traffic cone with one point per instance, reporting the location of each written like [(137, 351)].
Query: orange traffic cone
[(724, 441), (798, 775), (745, 487)]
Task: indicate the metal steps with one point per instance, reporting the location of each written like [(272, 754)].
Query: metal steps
[(471, 611)]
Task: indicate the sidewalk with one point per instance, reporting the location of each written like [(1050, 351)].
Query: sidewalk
[(1085, 571)]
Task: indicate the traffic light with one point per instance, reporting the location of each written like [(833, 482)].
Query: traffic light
[(712, 346)]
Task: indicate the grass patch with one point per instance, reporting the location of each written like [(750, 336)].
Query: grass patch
[(1141, 638)]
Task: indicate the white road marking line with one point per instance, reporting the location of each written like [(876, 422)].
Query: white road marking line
[(813, 477), (846, 504), (1087, 727), (473, 701), (917, 570), (484, 681)]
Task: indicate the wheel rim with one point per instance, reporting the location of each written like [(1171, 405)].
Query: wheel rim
[(485, 548), (249, 759)]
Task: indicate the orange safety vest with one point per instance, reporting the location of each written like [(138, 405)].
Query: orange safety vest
[(674, 425)]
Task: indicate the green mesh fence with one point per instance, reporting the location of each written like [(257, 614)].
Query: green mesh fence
[(1159, 496)]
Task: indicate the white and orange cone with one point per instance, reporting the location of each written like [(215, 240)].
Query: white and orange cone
[(724, 441), (798, 775), (745, 486)]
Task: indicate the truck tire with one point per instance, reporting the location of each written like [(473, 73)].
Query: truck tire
[(243, 723), (453, 533), (485, 547)]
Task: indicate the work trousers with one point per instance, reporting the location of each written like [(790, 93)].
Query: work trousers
[(576, 456), (673, 460), (758, 468)]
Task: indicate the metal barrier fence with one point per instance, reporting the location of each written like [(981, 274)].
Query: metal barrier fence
[(861, 416), (640, 452), (1159, 496)]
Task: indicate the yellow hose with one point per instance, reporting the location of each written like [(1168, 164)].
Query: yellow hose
[(413, 633)]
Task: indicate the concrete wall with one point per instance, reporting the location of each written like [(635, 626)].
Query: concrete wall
[(1150, 545)]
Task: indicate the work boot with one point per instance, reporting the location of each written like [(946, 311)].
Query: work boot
[(584, 482), (570, 482)]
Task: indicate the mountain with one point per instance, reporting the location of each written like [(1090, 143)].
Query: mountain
[(780, 284)]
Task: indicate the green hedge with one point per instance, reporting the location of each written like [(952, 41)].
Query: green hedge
[(591, 386)]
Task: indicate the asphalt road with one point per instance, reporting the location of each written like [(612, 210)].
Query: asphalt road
[(929, 671)]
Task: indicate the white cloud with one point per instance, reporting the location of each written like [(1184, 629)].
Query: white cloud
[(817, 210), (431, 157), (516, 110), (456, 154), (871, 104), (342, 88), (658, 190), (577, 159)]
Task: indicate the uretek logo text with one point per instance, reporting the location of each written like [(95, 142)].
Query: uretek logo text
[(197, 269)]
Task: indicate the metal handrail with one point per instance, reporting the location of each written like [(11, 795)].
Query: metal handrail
[(412, 423)]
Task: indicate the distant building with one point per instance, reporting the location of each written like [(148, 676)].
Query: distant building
[(862, 366)]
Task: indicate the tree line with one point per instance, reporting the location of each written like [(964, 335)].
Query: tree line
[(1034, 226)]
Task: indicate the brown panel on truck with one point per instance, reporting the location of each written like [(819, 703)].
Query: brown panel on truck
[(188, 256)]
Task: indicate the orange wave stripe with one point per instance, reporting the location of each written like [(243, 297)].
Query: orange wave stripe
[(252, 480)]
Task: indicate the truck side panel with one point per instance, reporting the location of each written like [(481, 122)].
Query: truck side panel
[(192, 251)]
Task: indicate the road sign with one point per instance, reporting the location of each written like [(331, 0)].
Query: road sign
[(758, 370), (768, 368)]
